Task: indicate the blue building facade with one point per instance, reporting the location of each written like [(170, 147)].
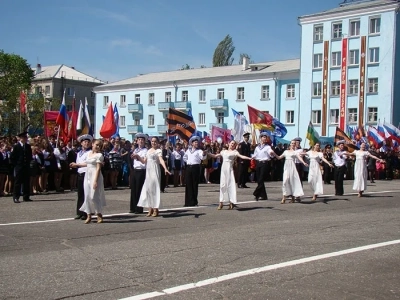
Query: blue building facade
[(209, 94), (350, 66)]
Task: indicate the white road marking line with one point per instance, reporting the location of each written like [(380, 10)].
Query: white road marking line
[(180, 208), (231, 276)]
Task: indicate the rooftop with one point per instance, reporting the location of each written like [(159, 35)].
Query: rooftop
[(180, 76), (58, 71)]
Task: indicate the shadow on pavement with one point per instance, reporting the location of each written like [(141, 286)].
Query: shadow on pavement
[(254, 208), (181, 213)]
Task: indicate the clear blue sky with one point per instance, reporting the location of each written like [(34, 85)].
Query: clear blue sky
[(118, 39)]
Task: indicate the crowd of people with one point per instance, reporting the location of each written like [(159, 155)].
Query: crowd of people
[(34, 165)]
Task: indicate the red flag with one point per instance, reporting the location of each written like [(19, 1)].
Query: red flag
[(72, 122), (109, 127), (258, 117), (22, 103)]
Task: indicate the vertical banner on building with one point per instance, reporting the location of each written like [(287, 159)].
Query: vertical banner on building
[(361, 102), (325, 88), (343, 86)]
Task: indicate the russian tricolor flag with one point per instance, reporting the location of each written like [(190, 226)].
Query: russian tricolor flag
[(62, 118), (392, 130), (375, 138)]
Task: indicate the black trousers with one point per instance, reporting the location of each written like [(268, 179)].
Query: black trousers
[(339, 177), (163, 181), (299, 168), (327, 173), (192, 179), (262, 170), (137, 182), (21, 177), (81, 194), (243, 172)]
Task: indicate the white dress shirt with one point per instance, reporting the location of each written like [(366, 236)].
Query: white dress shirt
[(81, 158), (339, 159), (137, 164), (193, 157), (263, 152)]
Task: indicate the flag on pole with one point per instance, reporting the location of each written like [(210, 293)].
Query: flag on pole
[(72, 121), (341, 136), (217, 132), (181, 124), (375, 138), (261, 120), (393, 131), (82, 125), (62, 119), (108, 127), (22, 103), (116, 120), (87, 116), (312, 135), (239, 125)]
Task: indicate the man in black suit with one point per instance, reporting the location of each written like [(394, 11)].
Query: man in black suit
[(21, 157), (244, 149)]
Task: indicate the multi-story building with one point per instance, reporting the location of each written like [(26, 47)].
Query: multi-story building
[(51, 81), (350, 66), (209, 93)]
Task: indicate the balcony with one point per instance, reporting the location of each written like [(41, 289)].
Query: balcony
[(132, 129), (182, 105), (221, 104), (165, 106), (162, 128), (135, 108), (220, 125)]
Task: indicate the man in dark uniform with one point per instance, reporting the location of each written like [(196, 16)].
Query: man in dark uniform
[(21, 157), (244, 149)]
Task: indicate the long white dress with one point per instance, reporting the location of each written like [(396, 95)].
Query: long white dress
[(227, 191), (360, 171), (291, 185), (150, 195), (95, 199), (314, 172)]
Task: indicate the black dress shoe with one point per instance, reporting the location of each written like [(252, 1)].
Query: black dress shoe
[(256, 198), (78, 217), (83, 217), (16, 201), (240, 187), (27, 200), (245, 187)]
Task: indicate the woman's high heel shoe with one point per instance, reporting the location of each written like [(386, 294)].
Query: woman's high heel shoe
[(314, 198), (99, 218), (220, 206), (293, 200), (88, 219), (155, 213), (150, 213), (283, 200), (231, 206)]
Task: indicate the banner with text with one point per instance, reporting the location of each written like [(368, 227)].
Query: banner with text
[(343, 86), (362, 82)]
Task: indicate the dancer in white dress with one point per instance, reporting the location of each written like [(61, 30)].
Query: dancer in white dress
[(93, 184), (360, 169), (291, 185), (314, 172), (227, 193), (150, 195)]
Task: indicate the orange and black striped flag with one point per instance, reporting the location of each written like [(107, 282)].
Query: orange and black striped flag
[(341, 136), (181, 124)]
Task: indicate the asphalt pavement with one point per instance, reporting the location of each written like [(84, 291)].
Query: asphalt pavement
[(339, 247)]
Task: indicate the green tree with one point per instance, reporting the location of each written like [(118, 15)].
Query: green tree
[(15, 77), (186, 67), (223, 53)]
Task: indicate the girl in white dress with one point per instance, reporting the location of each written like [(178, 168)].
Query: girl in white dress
[(227, 193), (150, 195), (291, 185), (360, 169), (314, 172), (93, 184)]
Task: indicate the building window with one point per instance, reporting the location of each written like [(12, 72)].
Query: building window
[(240, 93), (372, 85), (355, 28), (353, 87), (137, 98), (335, 88), (151, 98), (121, 121), (290, 91), (265, 92), (70, 91), (47, 90), (354, 57), (136, 121), (317, 89), (151, 121), (334, 116), (202, 95), (185, 96), (375, 25), (220, 118), (316, 117), (372, 114), (290, 117), (336, 59), (337, 30), (317, 61), (105, 101), (167, 96), (220, 94), (373, 55), (122, 100), (202, 118), (318, 33), (352, 115)]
